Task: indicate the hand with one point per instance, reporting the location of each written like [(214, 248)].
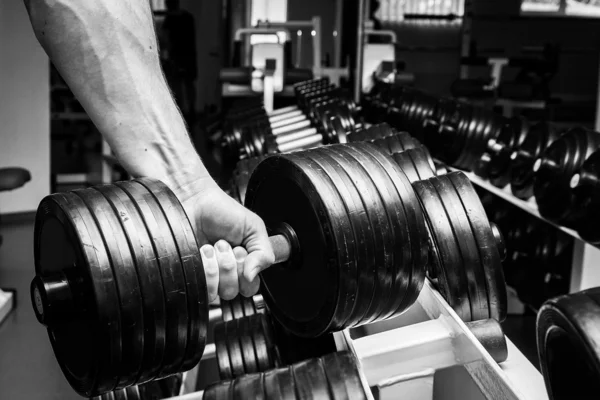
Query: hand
[(234, 242)]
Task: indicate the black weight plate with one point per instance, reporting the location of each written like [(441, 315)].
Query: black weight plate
[(226, 310), (348, 283), (335, 377), (375, 210), (382, 144), (237, 308), (234, 349), (133, 393), (287, 383), (128, 287), (244, 335), (343, 366), (222, 351), (248, 306), (488, 249), (156, 255), (249, 387), (279, 190), (394, 142), (415, 164), (471, 266), (272, 345), (397, 221), (362, 231), (219, 391), (257, 328), (119, 394), (411, 272), (88, 352), (568, 345), (195, 279), (310, 379), (452, 282)]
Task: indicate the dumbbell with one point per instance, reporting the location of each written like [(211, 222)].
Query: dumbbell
[(554, 170), (585, 186), (158, 389), (567, 344), (131, 283), (495, 163), (539, 137), (333, 376)]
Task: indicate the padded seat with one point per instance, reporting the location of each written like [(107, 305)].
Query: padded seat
[(13, 178)]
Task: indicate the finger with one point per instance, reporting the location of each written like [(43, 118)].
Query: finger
[(228, 279), (260, 251), (211, 271), (247, 289)]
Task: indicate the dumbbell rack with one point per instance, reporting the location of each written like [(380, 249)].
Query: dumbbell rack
[(429, 353), (585, 273)]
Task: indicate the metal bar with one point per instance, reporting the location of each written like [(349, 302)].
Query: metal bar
[(287, 119), (360, 43), (317, 36), (303, 143), (291, 127), (337, 41)]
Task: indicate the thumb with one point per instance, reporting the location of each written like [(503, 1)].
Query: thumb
[(255, 263), (260, 251)]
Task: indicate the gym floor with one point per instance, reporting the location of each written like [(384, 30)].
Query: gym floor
[(29, 369)]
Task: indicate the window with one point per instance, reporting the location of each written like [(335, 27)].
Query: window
[(397, 10), (561, 8)]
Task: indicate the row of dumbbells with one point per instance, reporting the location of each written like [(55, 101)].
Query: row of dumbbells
[(558, 168), (322, 115)]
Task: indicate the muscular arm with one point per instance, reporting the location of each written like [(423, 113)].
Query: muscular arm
[(107, 53)]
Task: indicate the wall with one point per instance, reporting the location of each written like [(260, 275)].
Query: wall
[(24, 108)]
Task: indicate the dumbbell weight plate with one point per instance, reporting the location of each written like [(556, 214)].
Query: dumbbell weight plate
[(220, 391), (361, 228), (196, 289), (126, 278), (463, 234), (342, 369), (487, 244), (586, 197), (382, 235), (412, 267), (310, 378), (415, 163), (453, 283), (249, 387), (280, 190), (396, 222), (234, 349), (222, 351), (258, 328), (170, 267), (278, 384), (244, 335), (348, 273), (131, 216), (59, 229), (567, 337)]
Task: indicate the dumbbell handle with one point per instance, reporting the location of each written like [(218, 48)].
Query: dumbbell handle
[(282, 248)]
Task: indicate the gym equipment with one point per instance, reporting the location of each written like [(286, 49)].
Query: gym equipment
[(568, 339), (495, 162), (584, 185), (334, 376), (554, 170), (539, 137), (158, 389)]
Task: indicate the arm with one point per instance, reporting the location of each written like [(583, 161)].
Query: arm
[(107, 52)]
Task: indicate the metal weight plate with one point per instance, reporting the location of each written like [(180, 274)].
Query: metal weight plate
[(226, 310), (133, 393), (488, 247), (471, 266), (278, 191), (347, 285), (276, 390), (335, 377), (272, 345), (382, 144), (248, 306), (236, 306), (397, 221), (452, 282), (413, 267), (165, 262), (375, 210), (234, 349), (249, 387), (222, 351), (415, 163), (362, 231), (567, 338), (87, 350), (264, 360), (310, 380), (342, 366), (219, 391), (348, 275), (244, 335), (126, 278), (196, 289)]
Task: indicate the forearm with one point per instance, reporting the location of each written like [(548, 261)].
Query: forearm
[(107, 53)]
